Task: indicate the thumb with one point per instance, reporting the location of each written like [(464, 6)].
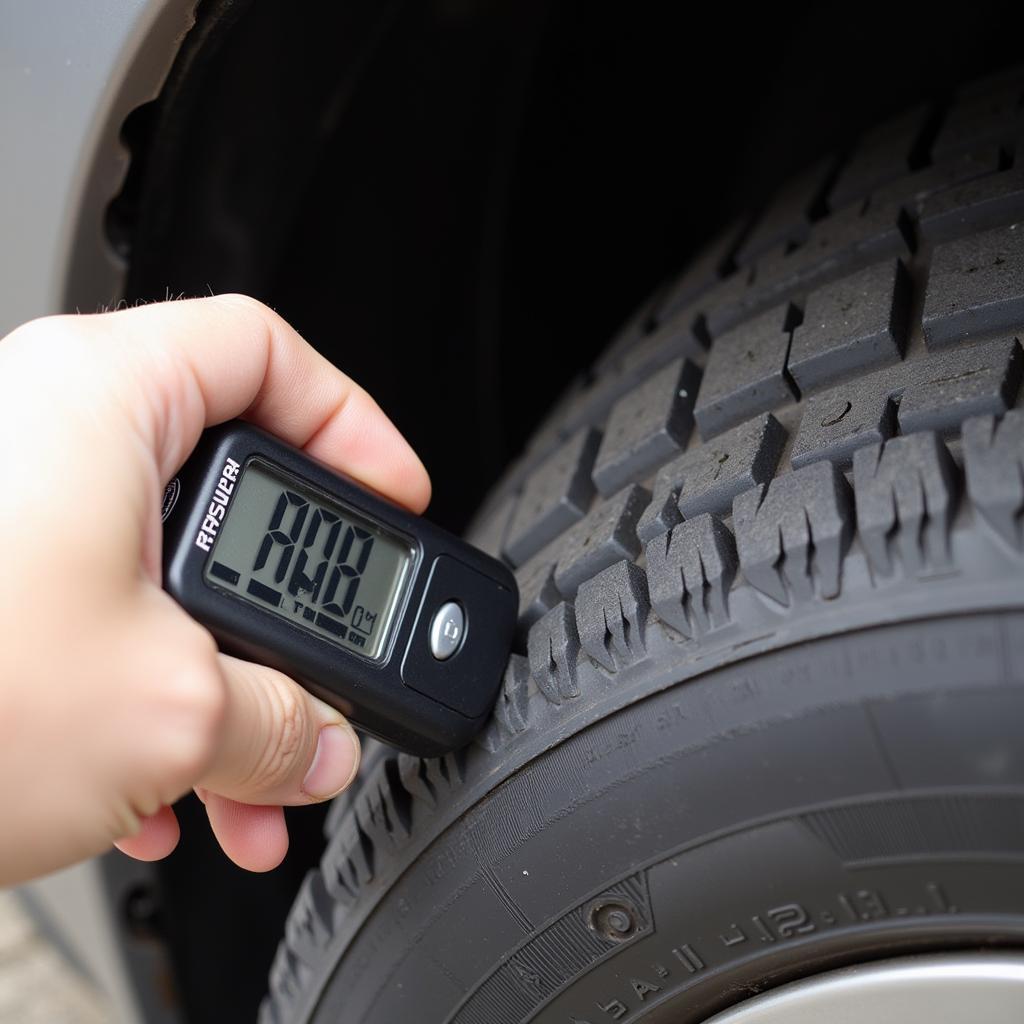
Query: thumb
[(278, 743)]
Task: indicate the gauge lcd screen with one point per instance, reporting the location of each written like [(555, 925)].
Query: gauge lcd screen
[(298, 555)]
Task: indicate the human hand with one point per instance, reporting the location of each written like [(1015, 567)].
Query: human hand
[(113, 702)]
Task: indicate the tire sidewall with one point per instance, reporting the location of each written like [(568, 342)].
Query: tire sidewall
[(725, 815)]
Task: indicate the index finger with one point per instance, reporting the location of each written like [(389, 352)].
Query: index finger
[(230, 356)]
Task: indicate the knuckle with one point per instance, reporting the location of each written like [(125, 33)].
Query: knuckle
[(210, 704), (193, 641), (195, 749), (245, 304), (239, 298), (200, 703), (287, 726), (52, 337)]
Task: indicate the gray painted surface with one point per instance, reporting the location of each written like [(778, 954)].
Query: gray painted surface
[(71, 908), (69, 74), (36, 985)]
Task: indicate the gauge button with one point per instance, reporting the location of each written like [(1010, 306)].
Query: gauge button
[(447, 630), (465, 681)]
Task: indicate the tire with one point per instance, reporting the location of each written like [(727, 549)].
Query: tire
[(767, 709)]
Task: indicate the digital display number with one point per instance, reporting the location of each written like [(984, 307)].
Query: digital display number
[(315, 564)]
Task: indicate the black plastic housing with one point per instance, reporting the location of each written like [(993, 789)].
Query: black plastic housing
[(407, 698)]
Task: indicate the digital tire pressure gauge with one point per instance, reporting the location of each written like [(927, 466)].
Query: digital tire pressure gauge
[(400, 625)]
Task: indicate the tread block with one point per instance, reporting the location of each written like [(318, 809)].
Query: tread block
[(555, 496), (689, 572), (647, 426), (708, 269), (856, 322), (718, 471), (848, 240), (611, 615), (787, 218), (792, 534), (663, 511), (911, 191), (936, 392), (428, 780), (310, 925), (553, 647), (994, 462), (607, 534), (838, 421), (990, 115), (1012, 74), (636, 327), (487, 531), (537, 591), (271, 1010), (707, 478), (674, 338), (585, 404), (349, 864), (745, 374), (882, 154), (588, 404), (377, 812), (413, 774), (511, 716), (973, 206), (955, 384), (976, 287), (905, 494), (288, 978)]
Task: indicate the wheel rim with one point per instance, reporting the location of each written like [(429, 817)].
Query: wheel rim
[(946, 989)]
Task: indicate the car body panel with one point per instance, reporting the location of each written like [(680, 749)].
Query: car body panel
[(69, 75)]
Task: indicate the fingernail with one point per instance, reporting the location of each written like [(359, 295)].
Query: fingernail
[(334, 764)]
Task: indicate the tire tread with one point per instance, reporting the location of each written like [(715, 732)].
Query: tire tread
[(883, 451)]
